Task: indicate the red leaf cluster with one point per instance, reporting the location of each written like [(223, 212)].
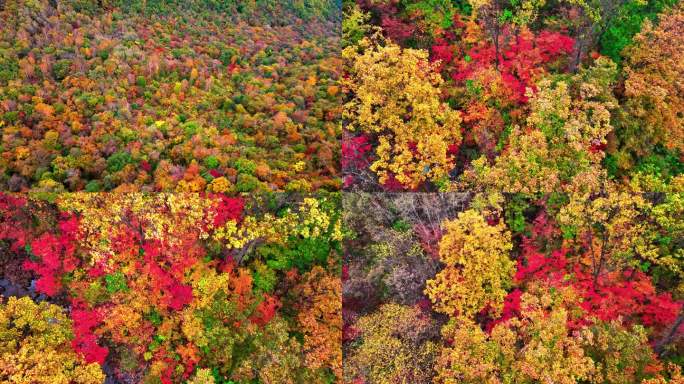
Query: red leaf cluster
[(85, 340), (228, 208), (521, 57), (55, 256), (628, 294), (265, 310)]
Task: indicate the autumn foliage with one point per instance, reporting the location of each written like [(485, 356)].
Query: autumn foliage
[(519, 288), (216, 96), (159, 286), (533, 94), (548, 249), (35, 346)]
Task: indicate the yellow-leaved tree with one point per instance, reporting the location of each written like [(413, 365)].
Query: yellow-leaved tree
[(478, 268), (35, 346), (393, 347), (395, 96)]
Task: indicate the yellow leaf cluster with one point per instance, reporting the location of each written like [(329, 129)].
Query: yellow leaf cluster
[(668, 218), (396, 96), (275, 358), (478, 268), (220, 185), (160, 214), (621, 355), (387, 354), (35, 346), (533, 348), (622, 222), (202, 376), (308, 220), (206, 289)]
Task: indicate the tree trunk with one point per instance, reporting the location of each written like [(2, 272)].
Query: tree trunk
[(669, 337)]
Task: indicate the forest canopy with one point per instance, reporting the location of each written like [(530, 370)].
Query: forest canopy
[(549, 96), (225, 97), (170, 288), (511, 288)]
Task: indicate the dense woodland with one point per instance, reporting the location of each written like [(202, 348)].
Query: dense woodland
[(492, 288), (517, 96), (512, 205), (168, 212), (526, 215), (170, 288), (186, 96)]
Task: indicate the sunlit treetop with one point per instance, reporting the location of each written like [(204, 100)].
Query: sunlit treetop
[(395, 96), (534, 347), (35, 346), (562, 146), (478, 269)]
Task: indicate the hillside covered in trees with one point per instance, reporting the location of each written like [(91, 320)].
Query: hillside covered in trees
[(187, 96)]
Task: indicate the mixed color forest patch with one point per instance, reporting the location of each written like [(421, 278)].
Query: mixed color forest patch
[(512, 96), (185, 96), (170, 288), (341, 191), (515, 191), (473, 288)]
